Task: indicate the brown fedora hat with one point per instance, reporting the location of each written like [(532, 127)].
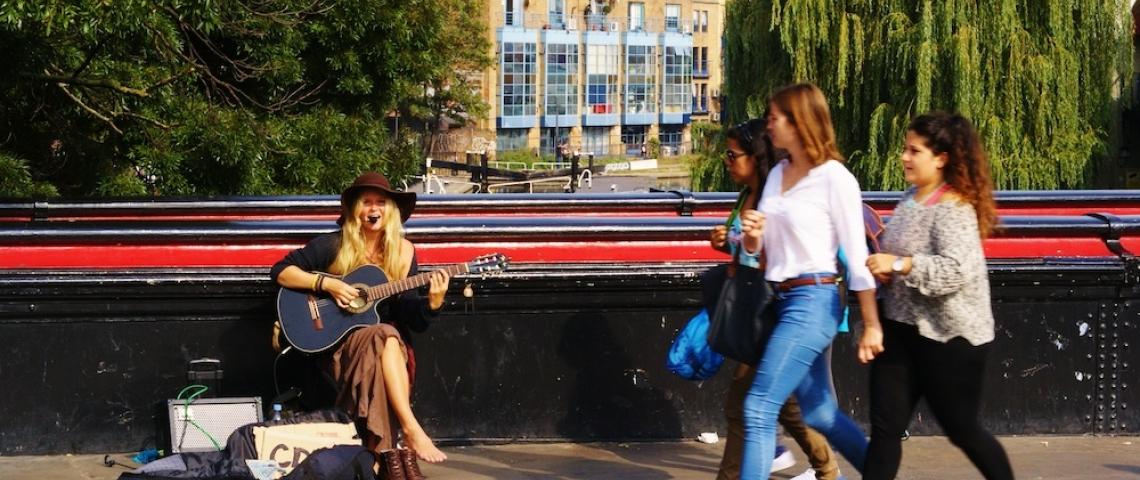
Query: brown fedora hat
[(405, 201)]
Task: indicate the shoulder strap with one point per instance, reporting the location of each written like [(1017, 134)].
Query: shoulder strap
[(873, 228), (937, 195), (728, 225), (740, 199)]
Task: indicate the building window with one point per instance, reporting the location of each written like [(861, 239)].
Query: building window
[(672, 18), (636, 16), (509, 139), (703, 67), (601, 78), (561, 79), (551, 138), (596, 140), (556, 10), (701, 97), (704, 21), (517, 85), (512, 13), (696, 98), (641, 79), (633, 137), (671, 136), (677, 87)]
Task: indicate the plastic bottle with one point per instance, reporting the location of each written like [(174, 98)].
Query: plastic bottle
[(276, 412)]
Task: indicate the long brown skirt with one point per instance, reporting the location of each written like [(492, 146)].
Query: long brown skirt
[(355, 366)]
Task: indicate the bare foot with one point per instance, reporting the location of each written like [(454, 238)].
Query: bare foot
[(424, 447)]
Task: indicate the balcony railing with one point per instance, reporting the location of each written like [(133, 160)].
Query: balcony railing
[(597, 23), (700, 105)]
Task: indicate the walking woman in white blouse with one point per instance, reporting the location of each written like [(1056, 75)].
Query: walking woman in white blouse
[(811, 205), (938, 324)]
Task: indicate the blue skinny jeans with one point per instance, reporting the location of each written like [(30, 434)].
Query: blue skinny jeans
[(793, 362)]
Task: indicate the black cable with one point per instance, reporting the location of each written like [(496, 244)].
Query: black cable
[(276, 387)]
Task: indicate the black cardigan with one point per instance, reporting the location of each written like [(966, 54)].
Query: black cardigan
[(406, 311)]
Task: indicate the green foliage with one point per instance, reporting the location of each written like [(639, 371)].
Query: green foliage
[(244, 97), (16, 180), (519, 156), (706, 167), (653, 147), (1039, 79)]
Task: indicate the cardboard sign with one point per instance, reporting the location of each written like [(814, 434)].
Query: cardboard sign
[(289, 445)]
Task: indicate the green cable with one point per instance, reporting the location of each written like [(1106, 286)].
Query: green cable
[(186, 413)]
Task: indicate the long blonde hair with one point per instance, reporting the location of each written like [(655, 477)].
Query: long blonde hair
[(806, 108), (353, 251)]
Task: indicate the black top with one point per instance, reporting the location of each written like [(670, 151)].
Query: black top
[(406, 311)]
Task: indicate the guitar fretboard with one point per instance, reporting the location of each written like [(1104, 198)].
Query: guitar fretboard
[(386, 290)]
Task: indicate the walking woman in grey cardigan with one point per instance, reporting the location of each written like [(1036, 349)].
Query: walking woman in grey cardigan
[(938, 327)]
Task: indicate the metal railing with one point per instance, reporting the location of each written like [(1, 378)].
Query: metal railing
[(595, 22)]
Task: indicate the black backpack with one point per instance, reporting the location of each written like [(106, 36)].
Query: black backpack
[(340, 462)]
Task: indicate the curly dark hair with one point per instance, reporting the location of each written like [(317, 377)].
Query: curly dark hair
[(967, 170), (752, 135)]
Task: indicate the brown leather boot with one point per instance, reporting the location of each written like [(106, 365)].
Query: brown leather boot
[(411, 464), (392, 465)]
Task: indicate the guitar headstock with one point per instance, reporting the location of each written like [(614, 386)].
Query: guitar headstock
[(490, 263)]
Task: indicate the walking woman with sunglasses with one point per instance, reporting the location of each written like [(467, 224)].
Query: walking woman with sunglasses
[(938, 324), (748, 158), (811, 206)]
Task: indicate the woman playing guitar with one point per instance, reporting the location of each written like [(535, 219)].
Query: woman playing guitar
[(374, 365)]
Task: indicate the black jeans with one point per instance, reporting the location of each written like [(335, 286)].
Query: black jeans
[(949, 376)]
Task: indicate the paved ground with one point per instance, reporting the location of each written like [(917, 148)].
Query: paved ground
[(1061, 458)]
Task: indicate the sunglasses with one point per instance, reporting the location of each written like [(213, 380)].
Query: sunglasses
[(745, 140), (732, 155), (745, 133)]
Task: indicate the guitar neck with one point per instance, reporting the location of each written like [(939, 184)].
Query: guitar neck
[(389, 289)]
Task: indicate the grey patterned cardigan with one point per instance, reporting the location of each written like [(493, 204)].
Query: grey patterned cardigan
[(947, 292)]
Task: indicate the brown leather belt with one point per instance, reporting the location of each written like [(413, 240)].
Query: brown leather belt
[(800, 282)]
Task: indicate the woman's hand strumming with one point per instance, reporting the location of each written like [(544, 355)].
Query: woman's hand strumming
[(439, 282)]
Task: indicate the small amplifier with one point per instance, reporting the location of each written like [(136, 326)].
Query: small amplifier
[(192, 427)]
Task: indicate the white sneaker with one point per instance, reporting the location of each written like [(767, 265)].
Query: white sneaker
[(784, 459), (807, 475), (810, 475)]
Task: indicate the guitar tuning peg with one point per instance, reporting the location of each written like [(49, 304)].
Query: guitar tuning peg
[(469, 298)]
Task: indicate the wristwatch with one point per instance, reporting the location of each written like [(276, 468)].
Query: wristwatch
[(897, 265)]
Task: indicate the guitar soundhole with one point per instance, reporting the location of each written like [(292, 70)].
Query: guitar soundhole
[(360, 303)]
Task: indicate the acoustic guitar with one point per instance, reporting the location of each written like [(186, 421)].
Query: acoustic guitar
[(313, 322)]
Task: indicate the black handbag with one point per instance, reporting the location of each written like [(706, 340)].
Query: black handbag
[(743, 315), (741, 308)]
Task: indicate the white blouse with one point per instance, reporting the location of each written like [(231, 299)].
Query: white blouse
[(805, 226)]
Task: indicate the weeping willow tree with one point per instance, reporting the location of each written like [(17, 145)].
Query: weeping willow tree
[(1042, 79)]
